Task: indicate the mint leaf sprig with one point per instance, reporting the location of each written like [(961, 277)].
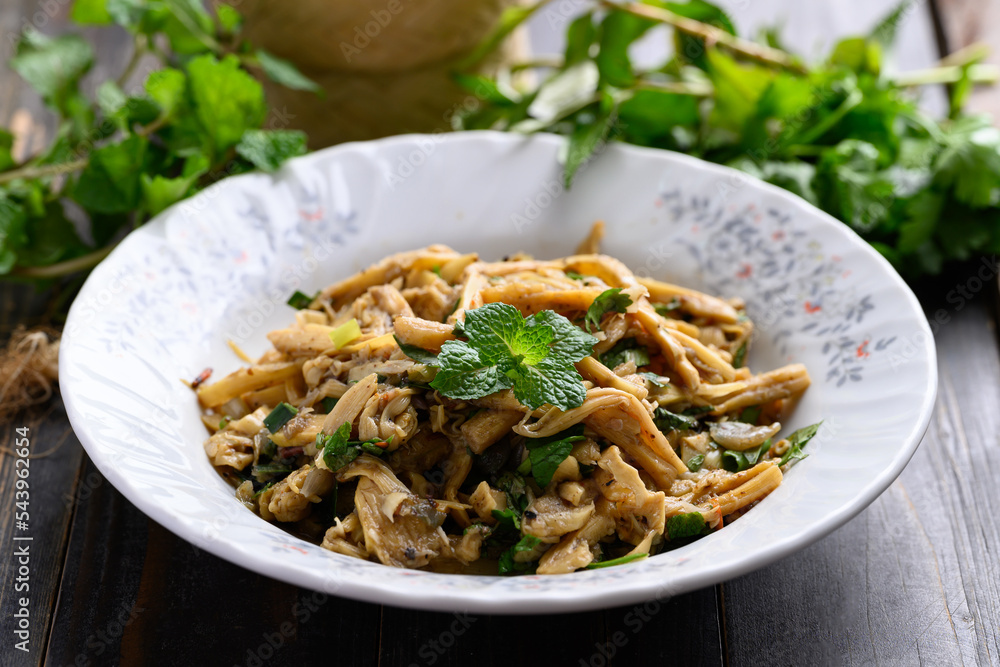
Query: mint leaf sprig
[(534, 356)]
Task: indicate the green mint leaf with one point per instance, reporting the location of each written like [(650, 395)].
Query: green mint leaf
[(579, 38), (668, 421), (464, 375), (337, 453), (286, 73), (227, 101), (230, 20), (547, 454), (734, 461), (128, 13), (617, 33), (685, 525), (418, 354), (507, 565), (269, 149), (53, 66), (608, 301), (168, 88), (628, 558), (798, 440), (328, 403), (279, 416), (160, 192), (508, 519), (533, 356), (515, 488), (111, 181), (13, 235), (591, 130)]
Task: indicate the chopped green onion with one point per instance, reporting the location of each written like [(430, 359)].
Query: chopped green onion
[(299, 301), (345, 333), (280, 416)]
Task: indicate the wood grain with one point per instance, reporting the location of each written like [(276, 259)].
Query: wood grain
[(914, 579)]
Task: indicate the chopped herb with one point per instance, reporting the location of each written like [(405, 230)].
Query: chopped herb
[(225, 422), (608, 301), (798, 440), (328, 403), (270, 449), (263, 489), (534, 356), (750, 415), (547, 454), (337, 453), (418, 354), (616, 561), (697, 410), (740, 356), (279, 416), (658, 380), (437, 270), (669, 421), (735, 461), (345, 333), (300, 301), (372, 447), (515, 488), (665, 309), (626, 350), (573, 275), (508, 565), (507, 518), (525, 467), (694, 464), (270, 470), (685, 525)]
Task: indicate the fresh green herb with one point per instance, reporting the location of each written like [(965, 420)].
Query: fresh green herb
[(665, 309), (508, 518), (225, 422), (695, 462), (279, 416), (735, 461), (418, 354), (625, 350), (608, 301), (329, 403), (262, 489), (573, 275), (515, 488), (750, 415), (507, 565), (339, 450), (266, 470), (436, 270), (616, 561), (669, 421), (118, 158), (547, 454), (798, 440), (844, 133), (270, 449), (685, 525), (534, 356), (740, 356), (300, 301), (696, 410), (658, 380)]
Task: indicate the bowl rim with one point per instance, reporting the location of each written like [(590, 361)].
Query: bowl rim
[(573, 599)]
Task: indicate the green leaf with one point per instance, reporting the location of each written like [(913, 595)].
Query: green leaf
[(227, 100), (167, 87), (588, 135), (688, 47), (53, 66), (90, 12), (649, 117), (608, 301), (669, 421), (579, 38), (970, 163), (187, 25), (230, 20), (111, 181), (685, 525), (269, 149), (534, 356), (279, 416), (6, 145), (51, 237), (798, 440), (566, 92), (618, 31), (507, 565), (750, 415), (483, 87), (657, 380), (738, 89), (418, 354), (857, 54), (509, 20), (628, 558), (337, 453), (286, 73), (547, 454), (161, 192), (128, 13), (741, 356), (695, 463), (923, 214), (887, 28), (625, 350), (13, 237)]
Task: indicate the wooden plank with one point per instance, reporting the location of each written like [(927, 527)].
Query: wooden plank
[(964, 22), (134, 592), (914, 579)]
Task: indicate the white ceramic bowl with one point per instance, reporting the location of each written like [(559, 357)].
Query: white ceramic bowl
[(221, 265)]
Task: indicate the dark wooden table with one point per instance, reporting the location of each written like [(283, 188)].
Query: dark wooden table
[(915, 578)]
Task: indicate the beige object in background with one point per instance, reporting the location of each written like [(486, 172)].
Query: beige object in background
[(385, 64)]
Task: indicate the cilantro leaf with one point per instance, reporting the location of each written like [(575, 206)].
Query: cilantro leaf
[(685, 525), (547, 454), (798, 440), (336, 451), (269, 149), (534, 356), (608, 301)]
